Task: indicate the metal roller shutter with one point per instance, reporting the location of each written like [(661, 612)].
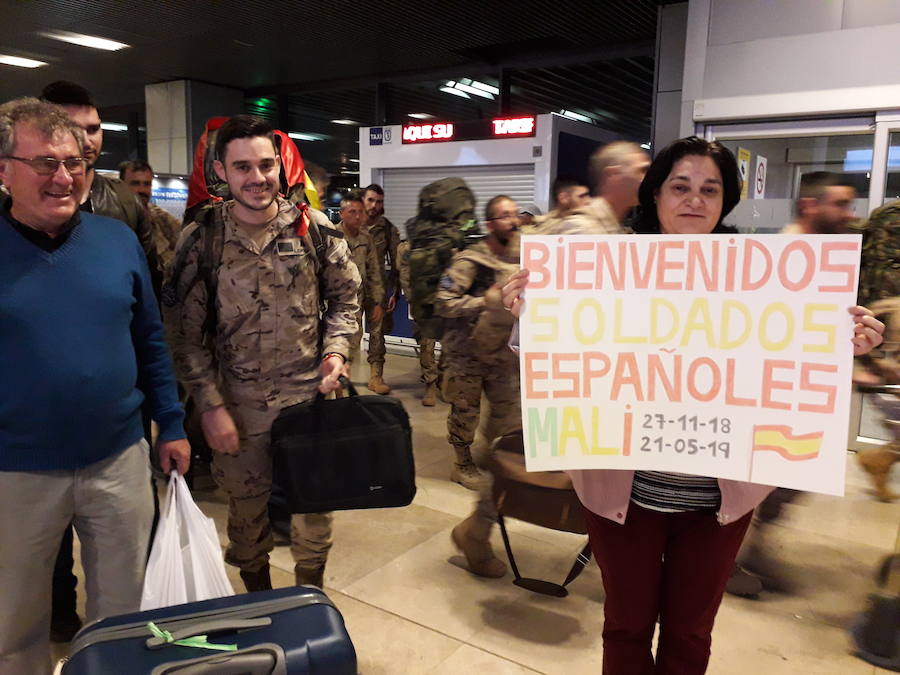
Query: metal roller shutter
[(402, 186)]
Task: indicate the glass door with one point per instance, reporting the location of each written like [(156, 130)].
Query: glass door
[(774, 156), (861, 148)]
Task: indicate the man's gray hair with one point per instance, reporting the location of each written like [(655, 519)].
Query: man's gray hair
[(46, 118), (616, 153)]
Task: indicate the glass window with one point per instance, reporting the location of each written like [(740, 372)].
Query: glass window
[(767, 204), (892, 188)]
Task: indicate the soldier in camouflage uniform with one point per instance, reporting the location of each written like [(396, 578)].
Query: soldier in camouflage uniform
[(164, 227), (476, 333), (880, 264), (479, 362), (879, 290), (363, 252), (386, 237), (427, 362), (265, 353), (569, 194)]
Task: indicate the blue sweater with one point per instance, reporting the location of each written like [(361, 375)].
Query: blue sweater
[(81, 343)]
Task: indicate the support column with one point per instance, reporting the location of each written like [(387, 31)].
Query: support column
[(176, 116)]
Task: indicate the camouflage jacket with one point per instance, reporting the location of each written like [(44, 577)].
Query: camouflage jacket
[(548, 223), (880, 264), (595, 217), (386, 237), (885, 359), (362, 250), (403, 267), (164, 232), (269, 327), (478, 326)]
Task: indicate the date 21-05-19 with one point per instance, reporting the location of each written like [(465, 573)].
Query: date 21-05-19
[(685, 423)]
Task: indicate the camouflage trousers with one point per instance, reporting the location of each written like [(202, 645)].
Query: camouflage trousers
[(377, 331), (427, 362), (246, 478), (356, 339), (464, 381)]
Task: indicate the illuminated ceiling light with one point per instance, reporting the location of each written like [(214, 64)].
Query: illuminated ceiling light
[(421, 116), (355, 161), (645, 146), (91, 41), (576, 116), (20, 62), (346, 122), (486, 87), (113, 126), (455, 92), (307, 137), (474, 91)]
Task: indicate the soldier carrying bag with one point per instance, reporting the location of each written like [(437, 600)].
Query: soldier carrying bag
[(346, 453)]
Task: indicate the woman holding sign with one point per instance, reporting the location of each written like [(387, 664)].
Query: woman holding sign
[(666, 542)]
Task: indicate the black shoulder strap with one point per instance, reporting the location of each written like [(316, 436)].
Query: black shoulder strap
[(211, 230)]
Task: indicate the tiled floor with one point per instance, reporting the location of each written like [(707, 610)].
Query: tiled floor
[(411, 608)]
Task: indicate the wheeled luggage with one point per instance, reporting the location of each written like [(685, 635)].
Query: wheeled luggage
[(280, 632), (544, 498), (347, 453)]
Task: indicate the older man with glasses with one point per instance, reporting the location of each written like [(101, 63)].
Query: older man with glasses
[(81, 346)]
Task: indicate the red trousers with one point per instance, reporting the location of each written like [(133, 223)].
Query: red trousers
[(670, 567)]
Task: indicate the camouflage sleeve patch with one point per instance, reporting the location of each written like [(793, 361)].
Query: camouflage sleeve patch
[(453, 299)]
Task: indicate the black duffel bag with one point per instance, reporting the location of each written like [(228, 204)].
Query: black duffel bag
[(346, 453)]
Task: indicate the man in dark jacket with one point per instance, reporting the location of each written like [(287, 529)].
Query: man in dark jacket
[(103, 196)]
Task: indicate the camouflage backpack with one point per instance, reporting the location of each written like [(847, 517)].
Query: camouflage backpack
[(444, 225), (210, 232), (880, 264)]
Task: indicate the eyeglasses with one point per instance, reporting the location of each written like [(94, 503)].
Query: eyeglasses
[(47, 166), (503, 217)]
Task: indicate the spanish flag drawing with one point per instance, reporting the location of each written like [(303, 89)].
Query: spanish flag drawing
[(781, 438)]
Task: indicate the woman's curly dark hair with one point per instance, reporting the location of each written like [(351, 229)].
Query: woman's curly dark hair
[(659, 170)]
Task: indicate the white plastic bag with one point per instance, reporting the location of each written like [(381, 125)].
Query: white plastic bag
[(186, 560)]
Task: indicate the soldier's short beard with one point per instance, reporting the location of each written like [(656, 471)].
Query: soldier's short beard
[(826, 226), (251, 206)]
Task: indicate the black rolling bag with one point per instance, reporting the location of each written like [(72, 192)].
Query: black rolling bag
[(347, 453)]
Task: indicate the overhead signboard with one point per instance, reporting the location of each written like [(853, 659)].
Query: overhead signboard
[(471, 130)]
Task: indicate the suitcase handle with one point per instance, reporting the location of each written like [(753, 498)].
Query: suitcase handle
[(209, 628)]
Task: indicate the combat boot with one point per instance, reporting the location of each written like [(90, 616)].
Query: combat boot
[(376, 381), (309, 576), (877, 462), (743, 584), (473, 538), (260, 580), (464, 470), (429, 400)]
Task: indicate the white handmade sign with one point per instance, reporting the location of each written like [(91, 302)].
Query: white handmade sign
[(716, 355)]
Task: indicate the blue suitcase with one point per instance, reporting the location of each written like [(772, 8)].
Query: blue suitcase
[(279, 632)]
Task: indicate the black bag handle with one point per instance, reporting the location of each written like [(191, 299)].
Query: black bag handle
[(539, 585), (345, 382)]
